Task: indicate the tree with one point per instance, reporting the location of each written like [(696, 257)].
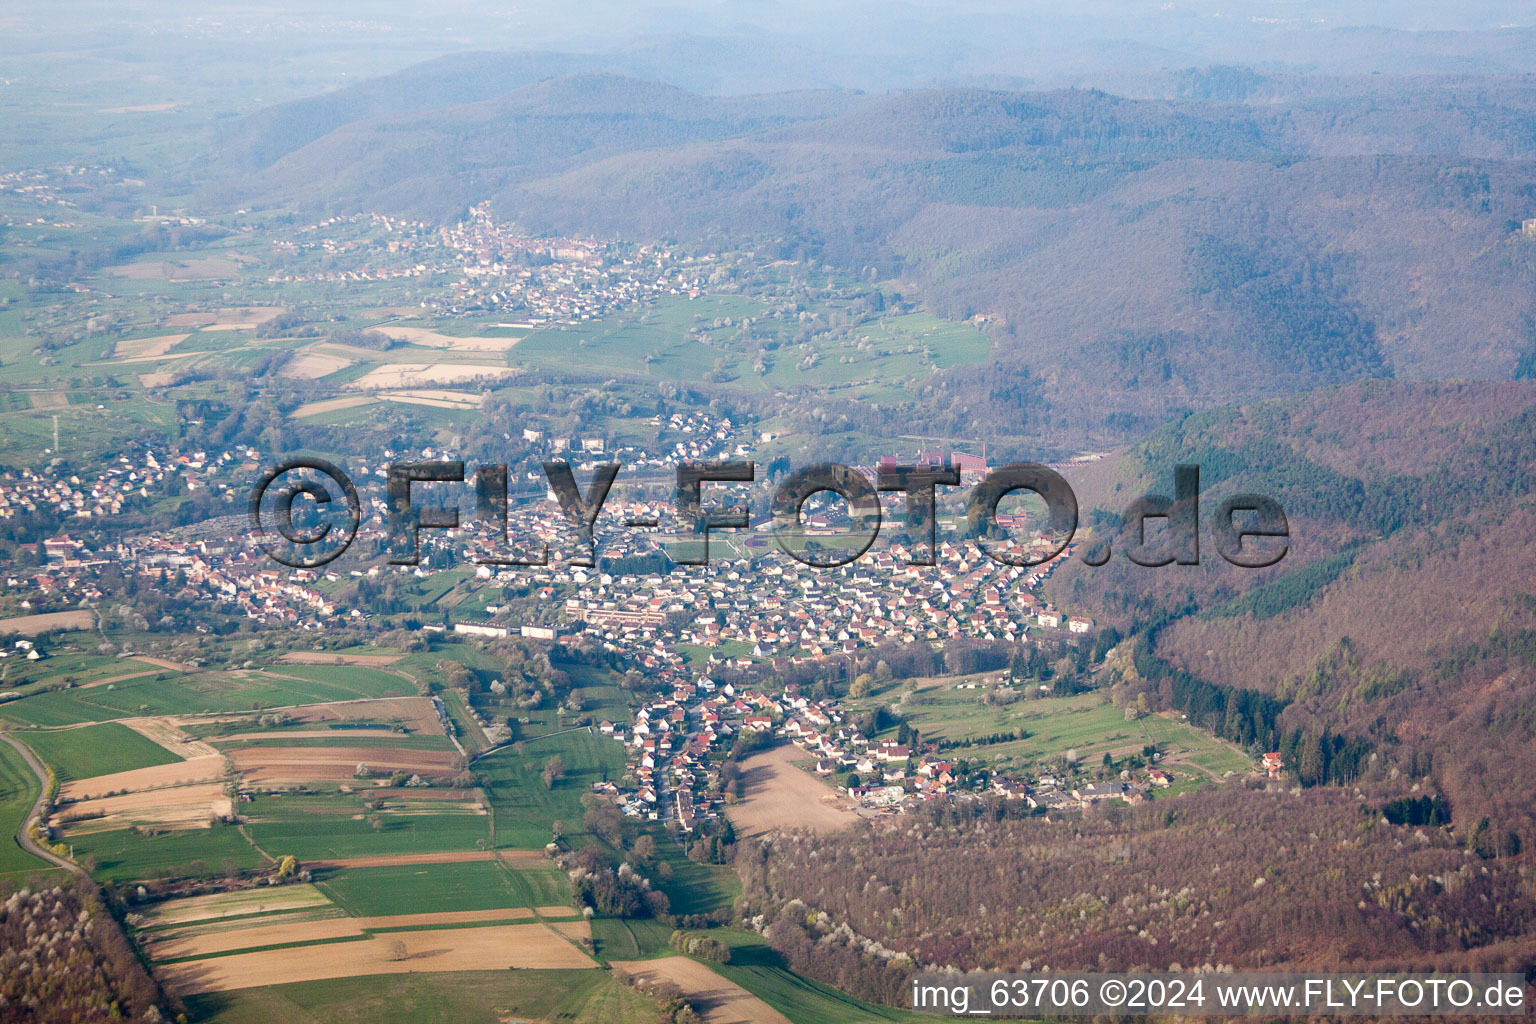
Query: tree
[(287, 867), (862, 684), (554, 771)]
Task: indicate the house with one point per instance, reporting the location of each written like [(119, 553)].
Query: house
[(1273, 764), (1159, 778), (1096, 792)]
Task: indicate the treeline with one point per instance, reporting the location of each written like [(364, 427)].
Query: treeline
[(1245, 717)]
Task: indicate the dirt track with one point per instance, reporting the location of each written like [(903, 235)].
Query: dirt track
[(779, 796), (719, 1000), (326, 658)]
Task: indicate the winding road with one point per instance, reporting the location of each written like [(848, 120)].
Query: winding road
[(25, 841)]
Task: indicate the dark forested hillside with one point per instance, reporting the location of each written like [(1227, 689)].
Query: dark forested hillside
[(1138, 258), (1400, 623), (1237, 877)]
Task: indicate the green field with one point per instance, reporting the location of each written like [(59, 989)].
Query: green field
[(203, 692), (525, 809), (630, 938), (761, 971), (421, 888), (123, 856), (73, 668), (501, 997), (875, 355), (96, 750), (694, 888), (1085, 724), (309, 829), (18, 790), (542, 886)]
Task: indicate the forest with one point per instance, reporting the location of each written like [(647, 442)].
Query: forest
[(1280, 879)]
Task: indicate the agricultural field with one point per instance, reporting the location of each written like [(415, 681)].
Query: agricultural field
[(203, 693), (326, 828), (526, 809), (481, 997), (76, 754), (718, 999), (781, 795), (124, 855), (420, 889)]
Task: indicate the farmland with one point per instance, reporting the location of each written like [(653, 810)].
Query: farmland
[(780, 795), (718, 999), (418, 889), (577, 996), (96, 750), (525, 808), (760, 971), (203, 693)]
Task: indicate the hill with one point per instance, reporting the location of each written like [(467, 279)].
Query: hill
[(1398, 636), (1135, 259)]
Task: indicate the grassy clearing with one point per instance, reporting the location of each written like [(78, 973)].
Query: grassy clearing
[(576, 997), (96, 750), (421, 889)]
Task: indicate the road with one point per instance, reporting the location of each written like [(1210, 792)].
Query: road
[(24, 840)]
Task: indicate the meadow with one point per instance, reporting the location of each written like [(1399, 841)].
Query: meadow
[(309, 830), (1084, 724), (525, 809), (96, 750), (420, 888), (122, 855)]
